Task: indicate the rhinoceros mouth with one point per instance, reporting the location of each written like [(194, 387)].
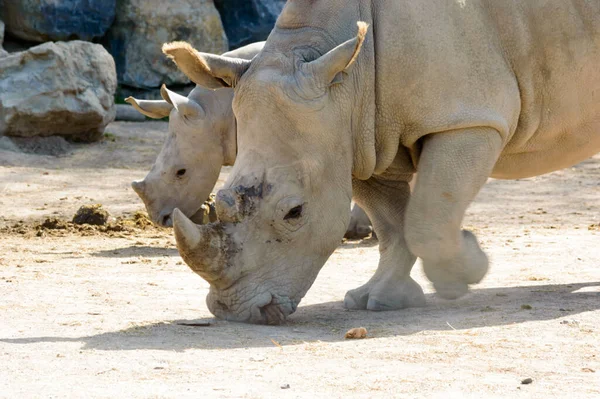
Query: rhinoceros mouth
[(274, 312), (165, 218), (277, 311)]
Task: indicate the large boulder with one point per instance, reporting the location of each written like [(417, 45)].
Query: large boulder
[(63, 88), (142, 26), (248, 21), (44, 20)]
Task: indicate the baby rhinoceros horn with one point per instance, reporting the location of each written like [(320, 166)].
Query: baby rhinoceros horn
[(202, 247)]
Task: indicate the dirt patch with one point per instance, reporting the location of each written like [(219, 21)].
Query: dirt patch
[(54, 224), (113, 311), (122, 226)]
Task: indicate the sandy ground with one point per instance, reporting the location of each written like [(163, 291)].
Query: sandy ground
[(93, 314)]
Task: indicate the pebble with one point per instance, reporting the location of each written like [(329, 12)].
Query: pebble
[(526, 381)]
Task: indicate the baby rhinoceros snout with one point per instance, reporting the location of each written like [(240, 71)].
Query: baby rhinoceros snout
[(139, 187)]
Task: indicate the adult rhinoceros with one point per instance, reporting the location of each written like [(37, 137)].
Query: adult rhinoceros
[(202, 139), (458, 90)]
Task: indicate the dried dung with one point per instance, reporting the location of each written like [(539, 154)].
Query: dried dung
[(91, 214)]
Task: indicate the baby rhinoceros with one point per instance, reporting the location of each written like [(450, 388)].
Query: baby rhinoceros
[(202, 138)]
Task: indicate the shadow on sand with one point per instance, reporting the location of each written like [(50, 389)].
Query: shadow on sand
[(136, 250), (327, 322), (151, 252)]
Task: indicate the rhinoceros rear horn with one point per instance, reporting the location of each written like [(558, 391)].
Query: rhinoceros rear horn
[(329, 68), (202, 247), (207, 70), (156, 109)]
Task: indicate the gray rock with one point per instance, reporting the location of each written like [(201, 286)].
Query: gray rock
[(6, 144), (126, 112), (53, 145), (2, 51), (248, 21), (142, 26), (46, 20), (64, 88)]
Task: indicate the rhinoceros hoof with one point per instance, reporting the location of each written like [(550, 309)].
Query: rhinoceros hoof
[(385, 295), (451, 278), (358, 232)]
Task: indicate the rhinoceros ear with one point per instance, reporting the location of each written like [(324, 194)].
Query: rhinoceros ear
[(330, 68), (207, 70), (182, 104), (156, 109)]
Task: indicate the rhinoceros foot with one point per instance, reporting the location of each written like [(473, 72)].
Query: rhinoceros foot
[(451, 278), (360, 225), (385, 294)]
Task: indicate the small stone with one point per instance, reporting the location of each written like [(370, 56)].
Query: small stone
[(356, 333), (285, 386), (526, 307), (526, 381)]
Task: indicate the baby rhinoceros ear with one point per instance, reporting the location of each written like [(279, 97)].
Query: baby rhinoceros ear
[(207, 70)]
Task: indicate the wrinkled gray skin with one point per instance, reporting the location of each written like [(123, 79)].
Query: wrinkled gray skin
[(202, 139), (458, 90)]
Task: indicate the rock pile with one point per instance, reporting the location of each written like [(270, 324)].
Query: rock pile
[(67, 88)]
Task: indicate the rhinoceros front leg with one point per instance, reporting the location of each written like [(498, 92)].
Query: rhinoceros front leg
[(452, 168), (391, 287)]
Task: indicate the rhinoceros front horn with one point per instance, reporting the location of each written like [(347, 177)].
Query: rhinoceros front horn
[(202, 247)]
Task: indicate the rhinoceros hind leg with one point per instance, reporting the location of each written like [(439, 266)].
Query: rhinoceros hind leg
[(468, 268), (391, 287), (360, 225)]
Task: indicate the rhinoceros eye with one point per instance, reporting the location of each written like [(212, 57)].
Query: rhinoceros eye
[(180, 172), (294, 213)]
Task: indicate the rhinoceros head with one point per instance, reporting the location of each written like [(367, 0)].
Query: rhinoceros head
[(284, 207), (201, 140)]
